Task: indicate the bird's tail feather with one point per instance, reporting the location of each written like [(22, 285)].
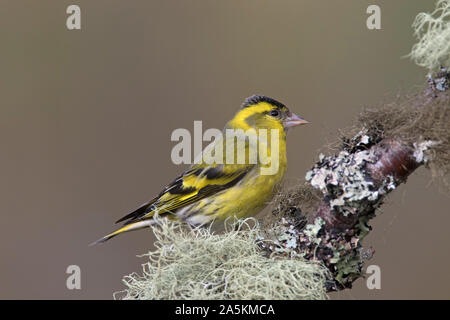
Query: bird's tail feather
[(128, 227)]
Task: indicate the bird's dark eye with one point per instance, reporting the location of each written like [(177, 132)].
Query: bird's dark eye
[(274, 113)]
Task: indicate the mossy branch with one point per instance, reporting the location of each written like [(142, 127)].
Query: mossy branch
[(392, 142)]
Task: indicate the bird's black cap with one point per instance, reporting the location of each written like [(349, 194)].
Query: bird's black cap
[(255, 99)]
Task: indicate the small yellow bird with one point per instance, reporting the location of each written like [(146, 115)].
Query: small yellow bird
[(222, 188)]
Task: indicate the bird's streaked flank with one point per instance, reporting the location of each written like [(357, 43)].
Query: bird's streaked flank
[(207, 192)]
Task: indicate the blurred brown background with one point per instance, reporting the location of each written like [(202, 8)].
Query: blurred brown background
[(86, 118)]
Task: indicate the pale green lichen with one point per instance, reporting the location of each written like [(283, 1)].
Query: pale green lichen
[(312, 230), (420, 148), (433, 33), (344, 177), (193, 263)]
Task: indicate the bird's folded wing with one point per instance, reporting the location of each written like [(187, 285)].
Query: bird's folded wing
[(198, 182)]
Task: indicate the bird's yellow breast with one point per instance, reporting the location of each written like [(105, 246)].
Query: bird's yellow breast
[(247, 198)]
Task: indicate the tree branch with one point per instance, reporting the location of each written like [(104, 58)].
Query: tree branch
[(354, 183)]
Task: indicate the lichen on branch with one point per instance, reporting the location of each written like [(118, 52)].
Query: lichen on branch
[(432, 31), (390, 142), (195, 263)]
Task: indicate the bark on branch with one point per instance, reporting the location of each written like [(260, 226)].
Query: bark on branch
[(354, 183)]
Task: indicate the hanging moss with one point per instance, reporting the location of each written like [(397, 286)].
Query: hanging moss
[(433, 33), (198, 264)]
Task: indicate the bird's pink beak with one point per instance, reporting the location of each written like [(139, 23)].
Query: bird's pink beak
[(293, 120)]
